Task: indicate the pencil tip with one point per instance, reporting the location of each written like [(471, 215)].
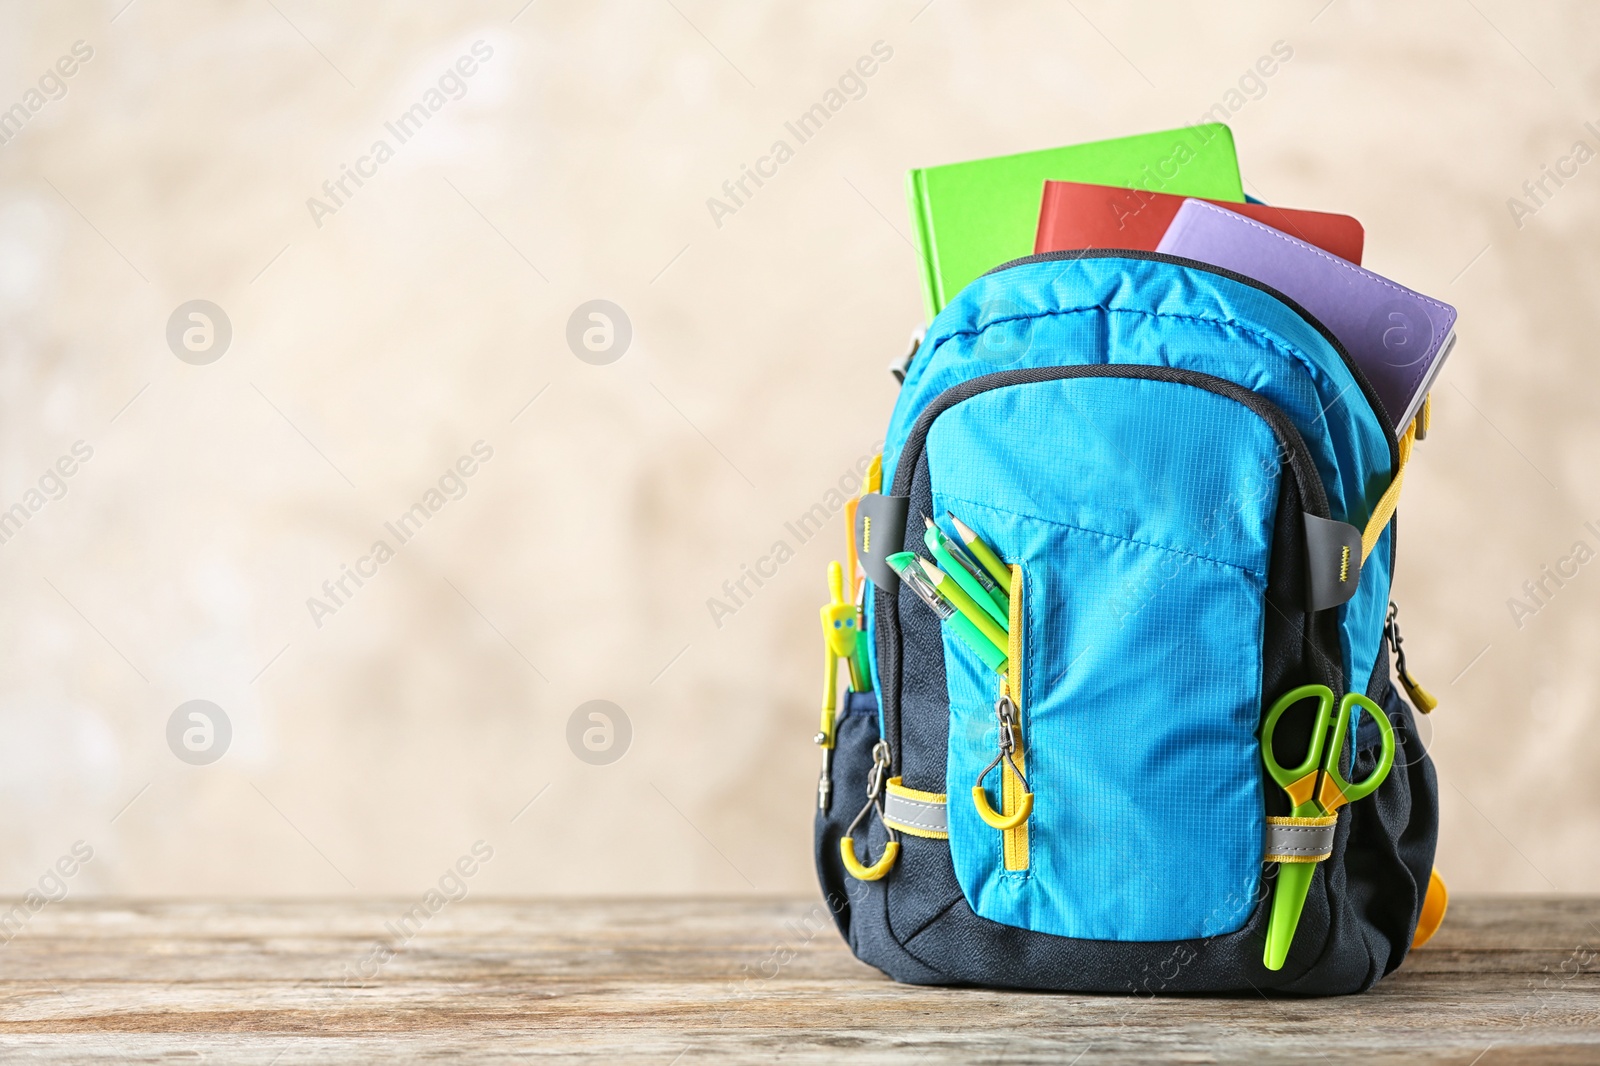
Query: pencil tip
[(927, 521)]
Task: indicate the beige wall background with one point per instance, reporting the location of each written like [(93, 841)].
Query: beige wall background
[(429, 312)]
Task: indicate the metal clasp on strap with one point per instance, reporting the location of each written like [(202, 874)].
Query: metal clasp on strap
[(1006, 712), (1420, 698), (902, 366), (847, 844)]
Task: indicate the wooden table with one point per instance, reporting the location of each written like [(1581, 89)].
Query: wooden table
[(1507, 980)]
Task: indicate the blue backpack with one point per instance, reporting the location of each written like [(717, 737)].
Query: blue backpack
[(1192, 488)]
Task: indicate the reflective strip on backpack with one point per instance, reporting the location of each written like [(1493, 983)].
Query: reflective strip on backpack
[(1300, 839), (910, 810)]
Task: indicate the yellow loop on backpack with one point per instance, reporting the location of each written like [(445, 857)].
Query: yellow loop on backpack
[(847, 851), (993, 818)]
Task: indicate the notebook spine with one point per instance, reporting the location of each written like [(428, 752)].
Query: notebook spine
[(933, 296), (1047, 220)]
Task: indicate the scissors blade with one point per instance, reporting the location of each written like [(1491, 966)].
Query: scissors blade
[(1289, 899)]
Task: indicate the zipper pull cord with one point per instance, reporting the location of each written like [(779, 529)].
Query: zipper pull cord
[(1421, 698), (876, 778), (1005, 711)]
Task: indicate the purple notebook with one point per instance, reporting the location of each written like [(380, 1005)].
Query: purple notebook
[(1398, 337)]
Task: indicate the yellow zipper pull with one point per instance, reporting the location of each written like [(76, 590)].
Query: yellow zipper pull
[(1421, 698)]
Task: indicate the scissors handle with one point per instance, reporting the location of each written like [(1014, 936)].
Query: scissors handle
[(1299, 781), (1336, 791)]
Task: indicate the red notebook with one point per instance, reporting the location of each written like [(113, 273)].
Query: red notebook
[(1075, 215)]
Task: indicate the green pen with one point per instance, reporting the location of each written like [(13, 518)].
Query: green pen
[(905, 564), (981, 551), (858, 657), (958, 598), (969, 575)]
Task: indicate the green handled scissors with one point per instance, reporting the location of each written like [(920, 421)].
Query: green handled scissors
[(1316, 787)]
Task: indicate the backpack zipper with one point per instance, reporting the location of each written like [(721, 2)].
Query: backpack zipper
[(1313, 496), (1390, 437)]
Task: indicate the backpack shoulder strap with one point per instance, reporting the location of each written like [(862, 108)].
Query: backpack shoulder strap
[(1391, 495)]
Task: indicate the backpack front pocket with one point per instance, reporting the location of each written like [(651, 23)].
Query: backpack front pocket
[(1140, 506)]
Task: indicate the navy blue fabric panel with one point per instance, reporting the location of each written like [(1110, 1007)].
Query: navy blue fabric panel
[(923, 739), (855, 732), (1399, 834), (872, 935), (974, 950), (860, 908)]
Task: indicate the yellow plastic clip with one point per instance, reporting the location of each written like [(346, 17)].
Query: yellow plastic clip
[(1005, 710), (1421, 698), (875, 872), (847, 843), (993, 818)]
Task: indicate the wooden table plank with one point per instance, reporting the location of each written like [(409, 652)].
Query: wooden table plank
[(1508, 980)]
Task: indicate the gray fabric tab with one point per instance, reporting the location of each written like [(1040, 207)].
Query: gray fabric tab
[(1304, 841), (915, 813), (1333, 562), (881, 532)]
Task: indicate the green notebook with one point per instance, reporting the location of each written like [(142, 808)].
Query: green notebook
[(971, 217)]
